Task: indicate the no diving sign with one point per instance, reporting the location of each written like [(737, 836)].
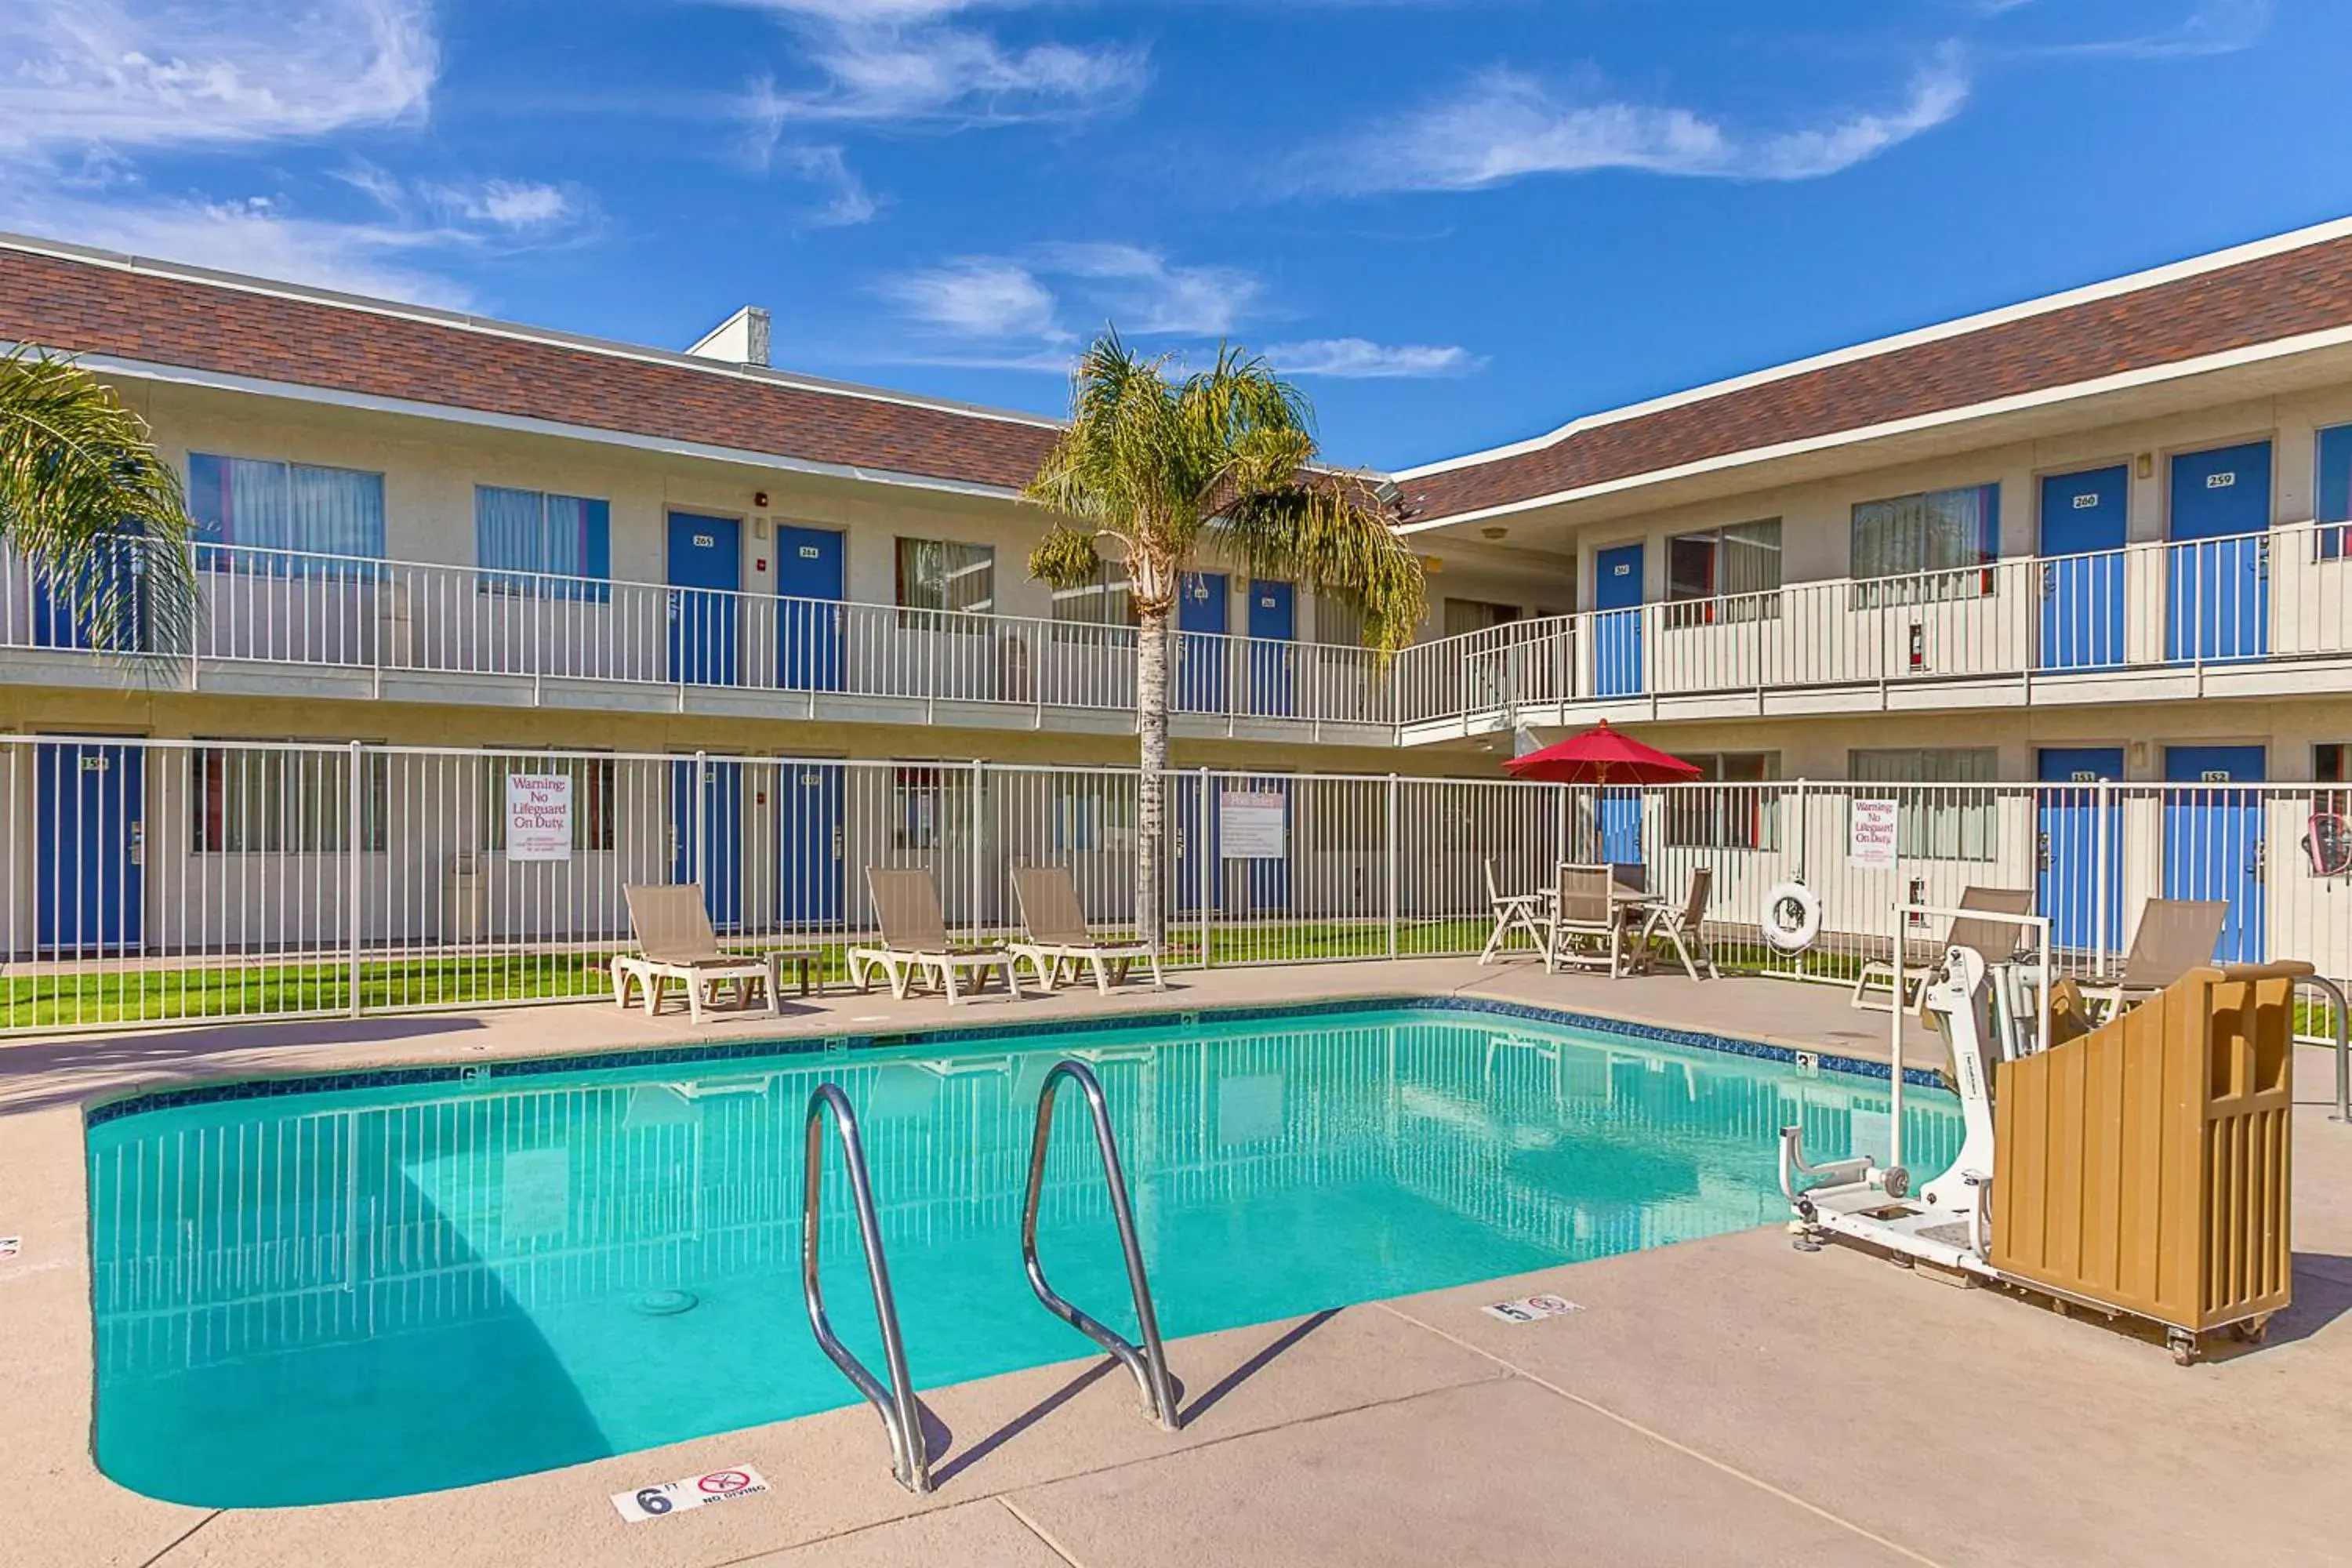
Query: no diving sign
[(692, 1492), (1532, 1309)]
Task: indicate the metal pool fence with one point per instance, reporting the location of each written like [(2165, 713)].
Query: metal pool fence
[(153, 881)]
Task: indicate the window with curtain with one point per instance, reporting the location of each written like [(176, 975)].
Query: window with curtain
[(594, 781), (1091, 812), (1337, 624), (944, 574), (551, 546), (2332, 497), (258, 800), (1724, 574), (1464, 616), (1105, 600), (1704, 815), (1944, 810), (297, 507), (1938, 545)]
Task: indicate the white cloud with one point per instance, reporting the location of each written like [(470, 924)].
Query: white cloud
[(1149, 296), (899, 61), (1359, 359), (977, 296), (128, 74), (847, 201), (2212, 28), (1505, 125)]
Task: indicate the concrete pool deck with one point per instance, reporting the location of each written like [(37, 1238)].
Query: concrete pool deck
[(1727, 1400)]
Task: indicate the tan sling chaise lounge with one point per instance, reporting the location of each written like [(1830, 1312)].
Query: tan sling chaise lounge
[(674, 941), (1059, 939), (2174, 936), (915, 947)]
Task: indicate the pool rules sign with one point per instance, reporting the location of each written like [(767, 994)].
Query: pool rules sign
[(539, 817)]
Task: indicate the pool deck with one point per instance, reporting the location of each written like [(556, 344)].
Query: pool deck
[(1729, 1400)]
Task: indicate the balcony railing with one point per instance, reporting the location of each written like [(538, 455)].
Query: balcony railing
[(340, 614), (2029, 625), (2262, 599)]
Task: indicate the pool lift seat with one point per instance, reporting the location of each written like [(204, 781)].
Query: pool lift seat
[(1986, 1014)]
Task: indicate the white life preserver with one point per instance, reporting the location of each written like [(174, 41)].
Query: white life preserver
[(1792, 918)]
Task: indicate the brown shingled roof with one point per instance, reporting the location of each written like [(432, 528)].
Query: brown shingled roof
[(2255, 301), (92, 308)]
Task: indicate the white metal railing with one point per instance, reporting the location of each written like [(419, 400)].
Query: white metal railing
[(2279, 596), (155, 882)]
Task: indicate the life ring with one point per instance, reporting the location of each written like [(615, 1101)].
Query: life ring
[(1792, 918)]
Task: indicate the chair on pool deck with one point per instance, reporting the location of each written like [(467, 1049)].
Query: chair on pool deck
[(2174, 936), (674, 941), (1513, 913), (1586, 925), (1060, 940), (915, 947), (1996, 940), (1683, 928)]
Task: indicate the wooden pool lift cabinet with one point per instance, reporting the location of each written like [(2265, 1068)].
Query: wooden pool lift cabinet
[(2140, 1168)]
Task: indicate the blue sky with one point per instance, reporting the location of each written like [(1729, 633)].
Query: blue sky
[(1456, 223)]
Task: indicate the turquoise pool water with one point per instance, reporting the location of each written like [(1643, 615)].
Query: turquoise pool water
[(363, 1292)]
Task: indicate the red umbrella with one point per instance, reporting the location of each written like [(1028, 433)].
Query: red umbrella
[(1601, 756)]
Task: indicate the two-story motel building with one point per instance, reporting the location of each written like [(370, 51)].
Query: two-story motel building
[(2090, 536)]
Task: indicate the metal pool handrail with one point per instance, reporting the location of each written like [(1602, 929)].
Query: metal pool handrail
[(1149, 1362), (900, 1416), (2343, 1040)]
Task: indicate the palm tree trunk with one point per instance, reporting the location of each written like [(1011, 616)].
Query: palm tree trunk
[(1150, 791)]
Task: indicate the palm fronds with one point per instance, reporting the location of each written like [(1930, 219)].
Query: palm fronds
[(101, 518)]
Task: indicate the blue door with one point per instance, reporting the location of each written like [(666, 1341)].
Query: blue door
[(706, 566), (2071, 885), (809, 877), (89, 816), (2218, 566), (1273, 624), (810, 583), (717, 819), (2213, 840), (1202, 604), (1617, 626), (62, 611), (2083, 518), (1621, 826)]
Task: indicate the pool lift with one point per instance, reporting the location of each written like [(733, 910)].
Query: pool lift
[(1986, 1014)]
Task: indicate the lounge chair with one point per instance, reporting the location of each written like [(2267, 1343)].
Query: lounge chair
[(674, 941), (1512, 911), (2174, 936), (1683, 928), (1060, 940), (915, 947), (1586, 922), (1996, 940)]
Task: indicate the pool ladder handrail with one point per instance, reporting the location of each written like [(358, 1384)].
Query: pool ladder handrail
[(901, 1416), (1148, 1360)]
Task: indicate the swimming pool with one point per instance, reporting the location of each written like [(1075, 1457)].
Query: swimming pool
[(353, 1288)]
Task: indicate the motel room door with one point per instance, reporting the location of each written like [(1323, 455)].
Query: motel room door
[(1273, 627), (2213, 840), (809, 585), (706, 569), (90, 861), (2218, 566), (707, 836), (2083, 898), (810, 852), (2082, 522), (1203, 605), (1617, 621)]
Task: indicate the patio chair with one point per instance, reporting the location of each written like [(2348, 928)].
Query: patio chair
[(1060, 939), (1512, 911), (915, 946), (1996, 940), (1683, 928), (1586, 926), (674, 941), (2174, 936)]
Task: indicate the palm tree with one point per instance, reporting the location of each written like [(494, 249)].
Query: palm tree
[(85, 499), (1222, 461)]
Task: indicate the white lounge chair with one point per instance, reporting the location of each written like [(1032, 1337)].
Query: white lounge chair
[(1521, 912), (915, 947), (1060, 940), (1996, 940), (674, 941)]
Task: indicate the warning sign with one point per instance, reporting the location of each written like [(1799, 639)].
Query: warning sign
[(1250, 823), (539, 817), (1532, 1309), (690, 1491), (1870, 831)]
